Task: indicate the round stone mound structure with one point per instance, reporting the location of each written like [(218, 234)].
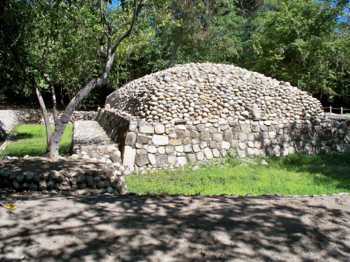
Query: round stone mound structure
[(205, 91), (200, 112)]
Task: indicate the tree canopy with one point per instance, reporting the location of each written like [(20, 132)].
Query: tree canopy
[(61, 43)]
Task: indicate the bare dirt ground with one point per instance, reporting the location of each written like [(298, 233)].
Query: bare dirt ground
[(131, 228)]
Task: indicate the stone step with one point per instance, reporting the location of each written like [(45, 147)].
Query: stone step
[(89, 132), (91, 141)]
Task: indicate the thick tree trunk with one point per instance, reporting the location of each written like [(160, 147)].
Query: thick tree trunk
[(45, 116)]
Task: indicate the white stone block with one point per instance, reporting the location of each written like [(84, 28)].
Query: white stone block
[(160, 140)]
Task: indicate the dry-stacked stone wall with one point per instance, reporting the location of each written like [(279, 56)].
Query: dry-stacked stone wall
[(35, 116), (155, 145), (198, 112), (69, 174)]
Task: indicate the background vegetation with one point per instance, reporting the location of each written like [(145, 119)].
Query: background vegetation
[(306, 42)]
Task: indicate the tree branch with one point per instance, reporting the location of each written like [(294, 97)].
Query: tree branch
[(137, 9)]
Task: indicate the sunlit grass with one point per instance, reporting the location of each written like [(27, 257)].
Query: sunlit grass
[(293, 175), (31, 140)]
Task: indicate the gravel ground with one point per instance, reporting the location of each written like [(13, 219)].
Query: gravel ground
[(131, 228)]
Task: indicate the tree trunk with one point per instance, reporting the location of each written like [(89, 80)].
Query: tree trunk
[(45, 116), (66, 116), (54, 105)]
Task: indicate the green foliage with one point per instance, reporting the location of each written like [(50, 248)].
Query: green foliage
[(301, 42), (13, 76), (304, 42), (62, 43), (293, 175), (31, 140), (176, 32)]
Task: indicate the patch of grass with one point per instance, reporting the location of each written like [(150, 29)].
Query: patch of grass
[(293, 175), (31, 140)]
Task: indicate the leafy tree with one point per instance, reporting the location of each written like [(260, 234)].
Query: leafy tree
[(75, 42), (172, 32), (299, 41)]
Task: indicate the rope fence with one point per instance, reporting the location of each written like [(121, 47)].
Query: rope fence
[(337, 110)]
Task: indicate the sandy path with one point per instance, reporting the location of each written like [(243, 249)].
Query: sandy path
[(132, 228)]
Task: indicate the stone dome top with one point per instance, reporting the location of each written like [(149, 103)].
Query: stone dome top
[(205, 91)]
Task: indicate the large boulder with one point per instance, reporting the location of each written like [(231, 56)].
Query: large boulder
[(8, 120)]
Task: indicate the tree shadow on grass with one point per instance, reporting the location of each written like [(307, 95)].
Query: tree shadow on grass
[(333, 166), (136, 228), (20, 136)]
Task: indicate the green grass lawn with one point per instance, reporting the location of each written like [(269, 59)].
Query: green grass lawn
[(293, 175), (31, 140)]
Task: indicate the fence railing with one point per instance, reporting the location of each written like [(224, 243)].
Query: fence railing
[(337, 110)]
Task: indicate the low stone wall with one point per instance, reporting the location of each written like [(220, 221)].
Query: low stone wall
[(39, 174), (154, 145), (34, 115)]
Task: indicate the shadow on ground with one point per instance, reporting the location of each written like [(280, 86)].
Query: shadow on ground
[(176, 229)]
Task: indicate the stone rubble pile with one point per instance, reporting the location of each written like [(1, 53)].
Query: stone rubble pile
[(198, 93)]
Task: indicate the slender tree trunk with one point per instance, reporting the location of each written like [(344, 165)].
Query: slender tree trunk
[(54, 105), (66, 116), (45, 115)]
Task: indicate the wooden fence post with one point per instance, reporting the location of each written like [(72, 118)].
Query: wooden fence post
[(341, 110), (330, 109)]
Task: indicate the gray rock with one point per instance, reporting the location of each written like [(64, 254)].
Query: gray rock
[(208, 153), (116, 156), (151, 149), (160, 140), (179, 149), (200, 156), (162, 160), (216, 153), (218, 137), (152, 159), (143, 139), (146, 128), (172, 160), (225, 145), (170, 149), (159, 129), (129, 157), (188, 148), (130, 139), (196, 148), (191, 158), (181, 161), (141, 158)]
